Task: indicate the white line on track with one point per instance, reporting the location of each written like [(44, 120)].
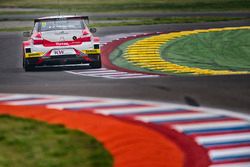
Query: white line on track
[(111, 74)]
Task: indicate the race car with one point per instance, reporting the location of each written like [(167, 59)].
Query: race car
[(61, 40)]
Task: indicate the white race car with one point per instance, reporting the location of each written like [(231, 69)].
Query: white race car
[(61, 40)]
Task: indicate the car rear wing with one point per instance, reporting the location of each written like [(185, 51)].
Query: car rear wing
[(86, 18)]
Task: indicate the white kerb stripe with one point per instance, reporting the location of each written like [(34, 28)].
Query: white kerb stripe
[(240, 164), (86, 105), (95, 69), (133, 110), (229, 152), (133, 74), (139, 76), (106, 74), (16, 97), (97, 72), (186, 116), (223, 138), (115, 75), (200, 126), (44, 101)]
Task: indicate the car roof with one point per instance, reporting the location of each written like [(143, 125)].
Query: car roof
[(61, 17)]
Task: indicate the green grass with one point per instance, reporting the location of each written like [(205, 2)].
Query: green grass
[(131, 5), (28, 143), (27, 12), (138, 21), (225, 50), (167, 20), (15, 29)]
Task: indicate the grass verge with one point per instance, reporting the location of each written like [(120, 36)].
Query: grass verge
[(27, 12), (167, 20), (25, 142), (131, 5), (139, 21), (222, 50), (15, 29)]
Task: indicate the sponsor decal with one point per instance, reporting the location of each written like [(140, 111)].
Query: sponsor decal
[(93, 51), (62, 44), (30, 55)]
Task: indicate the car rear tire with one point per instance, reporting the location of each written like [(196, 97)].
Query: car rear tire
[(29, 68), (97, 64), (26, 66)]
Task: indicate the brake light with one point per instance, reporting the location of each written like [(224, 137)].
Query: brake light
[(85, 36), (85, 32), (37, 41), (96, 39), (38, 35), (85, 39)]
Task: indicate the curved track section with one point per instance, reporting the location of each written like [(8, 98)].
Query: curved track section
[(223, 135), (199, 125), (145, 53), (111, 71), (230, 92)]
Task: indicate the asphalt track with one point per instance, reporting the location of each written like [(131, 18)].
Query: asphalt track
[(228, 92)]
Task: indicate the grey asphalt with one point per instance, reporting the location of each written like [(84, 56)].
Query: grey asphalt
[(228, 92)]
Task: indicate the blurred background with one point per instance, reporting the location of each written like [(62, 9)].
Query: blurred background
[(16, 15)]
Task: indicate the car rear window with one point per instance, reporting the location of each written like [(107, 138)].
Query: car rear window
[(60, 25)]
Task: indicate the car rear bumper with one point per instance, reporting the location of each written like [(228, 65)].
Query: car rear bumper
[(62, 60)]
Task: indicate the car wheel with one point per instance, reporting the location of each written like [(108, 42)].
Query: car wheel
[(97, 64), (29, 68), (26, 66)]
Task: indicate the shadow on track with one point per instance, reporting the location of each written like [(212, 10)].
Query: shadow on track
[(58, 68)]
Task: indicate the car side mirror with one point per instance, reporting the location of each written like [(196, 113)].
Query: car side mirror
[(92, 30), (26, 34)]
